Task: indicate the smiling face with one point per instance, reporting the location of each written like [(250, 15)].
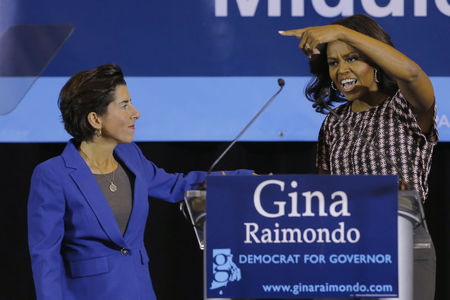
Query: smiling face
[(351, 74), (117, 123)]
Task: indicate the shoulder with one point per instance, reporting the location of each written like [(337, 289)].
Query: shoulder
[(50, 170), (343, 108), (130, 153), (340, 111), (61, 164), (128, 150), (399, 101), (403, 111), (401, 105)]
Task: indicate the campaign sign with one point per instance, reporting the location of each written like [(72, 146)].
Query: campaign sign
[(301, 236)]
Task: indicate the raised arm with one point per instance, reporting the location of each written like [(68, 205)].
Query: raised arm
[(411, 79)]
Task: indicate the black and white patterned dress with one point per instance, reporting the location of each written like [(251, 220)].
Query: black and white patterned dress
[(392, 128)]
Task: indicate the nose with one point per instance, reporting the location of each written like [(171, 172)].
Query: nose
[(135, 113), (342, 67)]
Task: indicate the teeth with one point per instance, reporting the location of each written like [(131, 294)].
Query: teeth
[(348, 81), (348, 84)]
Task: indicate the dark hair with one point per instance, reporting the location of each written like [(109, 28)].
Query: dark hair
[(318, 88), (88, 91)]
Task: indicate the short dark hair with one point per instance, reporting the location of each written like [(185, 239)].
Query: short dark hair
[(88, 91), (319, 86)]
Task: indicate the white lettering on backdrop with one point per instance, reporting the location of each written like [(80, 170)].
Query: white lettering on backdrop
[(395, 8)]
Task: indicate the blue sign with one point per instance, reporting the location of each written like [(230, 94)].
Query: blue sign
[(301, 236)]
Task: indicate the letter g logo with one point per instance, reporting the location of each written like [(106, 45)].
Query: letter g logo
[(224, 269)]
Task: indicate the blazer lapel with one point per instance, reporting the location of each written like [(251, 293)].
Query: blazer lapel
[(88, 186)]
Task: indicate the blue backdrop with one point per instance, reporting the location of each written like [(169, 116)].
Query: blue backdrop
[(199, 70)]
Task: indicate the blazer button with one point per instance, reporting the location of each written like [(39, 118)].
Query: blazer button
[(124, 251)]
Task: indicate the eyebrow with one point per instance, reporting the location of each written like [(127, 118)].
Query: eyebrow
[(124, 101), (346, 55)]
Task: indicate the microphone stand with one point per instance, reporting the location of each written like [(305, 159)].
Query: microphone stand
[(195, 200), (281, 83)]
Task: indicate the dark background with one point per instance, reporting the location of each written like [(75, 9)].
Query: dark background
[(175, 260)]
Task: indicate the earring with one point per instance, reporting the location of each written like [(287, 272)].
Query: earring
[(333, 86), (98, 132), (376, 76)]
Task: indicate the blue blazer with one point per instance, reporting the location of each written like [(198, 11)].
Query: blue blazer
[(76, 247)]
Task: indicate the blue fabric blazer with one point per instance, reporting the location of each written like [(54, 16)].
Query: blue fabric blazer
[(76, 247)]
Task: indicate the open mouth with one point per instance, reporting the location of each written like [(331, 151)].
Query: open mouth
[(348, 84)]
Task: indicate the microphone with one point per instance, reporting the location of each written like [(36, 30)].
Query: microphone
[(281, 83), (324, 93)]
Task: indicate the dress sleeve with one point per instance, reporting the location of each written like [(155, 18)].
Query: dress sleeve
[(172, 186), (403, 110), (323, 149), (46, 206), (433, 136)]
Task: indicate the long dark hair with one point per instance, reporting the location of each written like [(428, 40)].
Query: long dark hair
[(318, 89)]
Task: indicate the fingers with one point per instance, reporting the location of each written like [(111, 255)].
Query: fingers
[(314, 44), (309, 43), (293, 32), (402, 186), (256, 174), (311, 38), (305, 44), (311, 49)]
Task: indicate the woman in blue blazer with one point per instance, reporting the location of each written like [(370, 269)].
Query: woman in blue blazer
[(88, 207)]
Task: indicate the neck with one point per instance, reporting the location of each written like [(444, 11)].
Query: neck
[(369, 102), (98, 156)]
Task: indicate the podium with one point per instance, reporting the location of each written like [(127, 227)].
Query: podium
[(409, 215)]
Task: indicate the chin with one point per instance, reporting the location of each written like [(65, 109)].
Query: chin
[(353, 96), (125, 140)]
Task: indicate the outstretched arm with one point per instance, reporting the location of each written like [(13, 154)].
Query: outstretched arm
[(411, 79)]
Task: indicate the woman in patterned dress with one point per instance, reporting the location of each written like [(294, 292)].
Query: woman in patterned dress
[(386, 124)]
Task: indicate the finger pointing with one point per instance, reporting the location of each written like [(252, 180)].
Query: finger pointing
[(294, 32)]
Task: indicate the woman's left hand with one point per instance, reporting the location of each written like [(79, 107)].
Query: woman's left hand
[(311, 37)]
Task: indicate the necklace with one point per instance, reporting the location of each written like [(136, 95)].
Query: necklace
[(112, 186)]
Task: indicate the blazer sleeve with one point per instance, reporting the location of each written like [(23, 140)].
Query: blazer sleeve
[(172, 186), (46, 206)]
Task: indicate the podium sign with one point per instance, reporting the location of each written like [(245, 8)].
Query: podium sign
[(301, 236)]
